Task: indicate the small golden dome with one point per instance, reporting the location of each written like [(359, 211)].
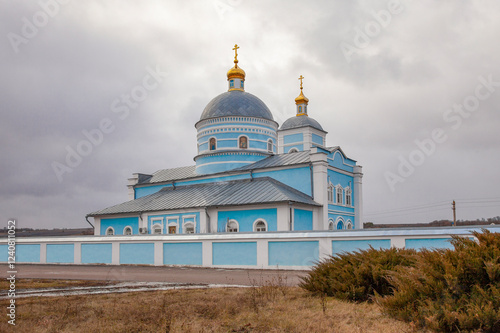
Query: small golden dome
[(301, 98), (236, 72)]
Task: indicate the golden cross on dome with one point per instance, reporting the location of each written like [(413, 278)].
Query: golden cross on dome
[(301, 78), (235, 48)]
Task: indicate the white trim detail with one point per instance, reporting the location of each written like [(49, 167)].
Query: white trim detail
[(232, 222), (254, 226), (108, 229), (131, 230)]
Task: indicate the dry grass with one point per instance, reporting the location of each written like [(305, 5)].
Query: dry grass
[(273, 308)]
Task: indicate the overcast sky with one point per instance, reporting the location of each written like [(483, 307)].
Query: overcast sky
[(380, 76)]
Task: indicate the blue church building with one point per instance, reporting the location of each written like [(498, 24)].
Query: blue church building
[(249, 175)]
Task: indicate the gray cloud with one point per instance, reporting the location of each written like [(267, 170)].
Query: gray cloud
[(394, 91)]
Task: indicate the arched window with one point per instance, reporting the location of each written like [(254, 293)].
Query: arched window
[(157, 229), (340, 223), (172, 228), (348, 225), (243, 142), (189, 228), (127, 231), (300, 109), (330, 225), (213, 144), (241, 84), (232, 226), (110, 231), (293, 150), (348, 200), (231, 83), (305, 109), (260, 226), (270, 145), (330, 193), (340, 195)]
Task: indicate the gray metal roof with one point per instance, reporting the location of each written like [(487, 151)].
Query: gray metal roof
[(236, 103), (231, 193), (166, 175), (301, 121), (279, 160), (175, 174)]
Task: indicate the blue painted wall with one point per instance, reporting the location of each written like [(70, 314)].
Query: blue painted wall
[(292, 138), (137, 253), (182, 254), (234, 253), (429, 243), (298, 178), (299, 253), (27, 252), (61, 253), (355, 245), (4, 256), (96, 253), (336, 159), (246, 218), (302, 219), (317, 139), (147, 190), (119, 224)]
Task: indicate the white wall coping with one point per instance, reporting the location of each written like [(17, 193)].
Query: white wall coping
[(433, 232)]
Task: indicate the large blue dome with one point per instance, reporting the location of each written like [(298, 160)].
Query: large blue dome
[(301, 121), (236, 103)]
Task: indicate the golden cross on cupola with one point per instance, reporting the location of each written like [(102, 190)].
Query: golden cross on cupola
[(235, 48), (301, 78)]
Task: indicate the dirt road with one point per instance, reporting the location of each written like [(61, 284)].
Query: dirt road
[(154, 274)]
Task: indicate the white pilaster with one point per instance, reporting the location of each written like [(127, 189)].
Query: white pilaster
[(262, 254), (158, 255), (97, 226), (206, 248), (43, 253), (358, 196), (320, 180), (115, 253), (77, 253), (283, 215)]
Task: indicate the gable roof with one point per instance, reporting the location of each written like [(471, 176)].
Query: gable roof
[(230, 193)]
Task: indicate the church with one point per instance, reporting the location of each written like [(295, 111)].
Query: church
[(250, 175)]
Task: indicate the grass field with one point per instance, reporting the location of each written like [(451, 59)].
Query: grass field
[(272, 308)]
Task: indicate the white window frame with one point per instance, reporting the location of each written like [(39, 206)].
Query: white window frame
[(339, 190), (184, 222), (235, 222), (156, 221), (154, 227), (254, 227), (131, 230), (348, 195), (270, 145), (349, 225), (330, 193), (112, 229), (293, 150), (169, 224), (331, 225)]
